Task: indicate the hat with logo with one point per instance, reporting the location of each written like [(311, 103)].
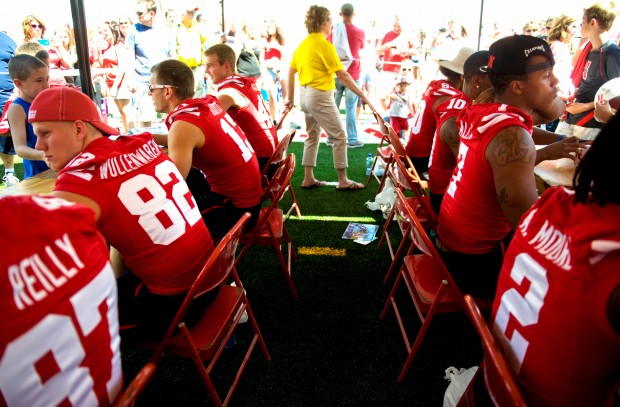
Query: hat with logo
[(454, 62), (402, 79), (61, 103), (509, 55)]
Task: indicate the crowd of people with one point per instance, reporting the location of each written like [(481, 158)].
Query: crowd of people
[(473, 133)]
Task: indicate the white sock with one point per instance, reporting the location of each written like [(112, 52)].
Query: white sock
[(9, 171)]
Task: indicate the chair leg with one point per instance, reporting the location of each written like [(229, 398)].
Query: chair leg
[(386, 307), (200, 366), (399, 251), (294, 206), (385, 175), (386, 225), (427, 321), (277, 245), (372, 168), (256, 329)]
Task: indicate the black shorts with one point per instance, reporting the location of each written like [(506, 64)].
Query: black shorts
[(6, 145), (145, 316), (218, 211)]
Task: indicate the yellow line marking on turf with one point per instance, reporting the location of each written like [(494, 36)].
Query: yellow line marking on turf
[(359, 219), (321, 251)]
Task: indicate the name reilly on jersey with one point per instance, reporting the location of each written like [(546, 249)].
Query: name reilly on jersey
[(33, 277)]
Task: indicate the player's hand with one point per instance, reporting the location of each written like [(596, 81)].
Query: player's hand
[(565, 148)]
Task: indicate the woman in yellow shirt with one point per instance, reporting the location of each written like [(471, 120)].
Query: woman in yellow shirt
[(316, 62)]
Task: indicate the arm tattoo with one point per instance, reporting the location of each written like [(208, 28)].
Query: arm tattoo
[(509, 147)]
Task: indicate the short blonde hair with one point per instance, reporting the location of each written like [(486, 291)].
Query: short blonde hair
[(604, 13)]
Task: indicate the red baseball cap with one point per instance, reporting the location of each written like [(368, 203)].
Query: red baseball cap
[(61, 103)]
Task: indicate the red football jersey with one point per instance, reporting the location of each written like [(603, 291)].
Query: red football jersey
[(424, 123), (226, 158), (442, 161), (254, 118), (59, 342), (550, 312), (471, 219), (147, 211)]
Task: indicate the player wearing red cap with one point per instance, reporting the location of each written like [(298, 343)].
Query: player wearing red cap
[(142, 204)]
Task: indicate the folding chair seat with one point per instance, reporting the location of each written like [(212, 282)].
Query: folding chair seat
[(404, 179), (205, 341), (139, 383), (428, 282), (383, 152), (498, 376), (270, 229), (274, 162)]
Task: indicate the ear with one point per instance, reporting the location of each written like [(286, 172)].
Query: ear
[(18, 83), (81, 130), (517, 87)]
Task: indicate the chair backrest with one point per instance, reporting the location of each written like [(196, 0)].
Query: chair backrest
[(423, 242), (281, 120), (129, 397), (400, 150), (406, 176), (280, 181), (216, 271), (279, 152), (498, 376), (381, 124)]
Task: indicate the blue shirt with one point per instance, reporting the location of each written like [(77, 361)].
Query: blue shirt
[(149, 46), (31, 167), (7, 49)]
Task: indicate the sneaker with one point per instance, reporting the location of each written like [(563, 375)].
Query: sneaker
[(295, 126), (10, 179), (355, 144)]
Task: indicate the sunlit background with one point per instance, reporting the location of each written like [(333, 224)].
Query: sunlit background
[(426, 15)]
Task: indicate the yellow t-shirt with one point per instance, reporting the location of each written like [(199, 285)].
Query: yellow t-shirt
[(190, 42), (316, 62)]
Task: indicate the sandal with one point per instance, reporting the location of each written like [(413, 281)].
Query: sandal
[(315, 184), (353, 186)]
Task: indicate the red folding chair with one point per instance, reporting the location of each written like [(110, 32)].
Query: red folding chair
[(498, 376), (404, 179), (136, 387), (399, 148), (428, 282), (383, 152), (205, 341), (270, 229), (274, 162)]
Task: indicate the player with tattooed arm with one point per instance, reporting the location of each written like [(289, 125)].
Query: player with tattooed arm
[(493, 184)]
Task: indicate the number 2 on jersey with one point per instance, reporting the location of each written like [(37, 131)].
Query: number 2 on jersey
[(525, 309)]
